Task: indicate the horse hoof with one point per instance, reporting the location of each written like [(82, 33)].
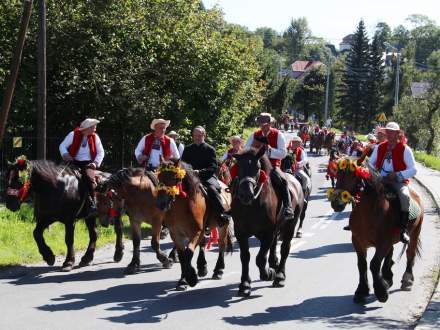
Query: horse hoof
[(203, 271), (118, 255), (244, 291), (67, 267), (50, 259), (406, 286), (382, 297), (279, 283), (181, 287), (84, 263), (131, 269), (270, 276), (218, 275), (299, 234), (191, 278), (167, 264), (359, 299)]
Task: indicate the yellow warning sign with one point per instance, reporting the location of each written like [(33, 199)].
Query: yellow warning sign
[(17, 142), (382, 117)]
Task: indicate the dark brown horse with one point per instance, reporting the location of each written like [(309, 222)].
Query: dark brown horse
[(329, 141), (317, 142), (374, 222), (134, 190), (188, 216), (58, 195), (255, 209)]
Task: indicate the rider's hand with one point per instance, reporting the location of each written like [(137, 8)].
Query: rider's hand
[(392, 177), (142, 159), (92, 165), (67, 158)]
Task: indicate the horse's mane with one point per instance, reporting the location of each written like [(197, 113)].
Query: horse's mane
[(266, 166), (124, 175), (47, 171), (190, 181)]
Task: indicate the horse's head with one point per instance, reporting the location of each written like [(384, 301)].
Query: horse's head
[(248, 171), (170, 175), (350, 182), (17, 183), (109, 206)]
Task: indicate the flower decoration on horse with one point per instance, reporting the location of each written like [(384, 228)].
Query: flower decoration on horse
[(174, 176), (23, 168)]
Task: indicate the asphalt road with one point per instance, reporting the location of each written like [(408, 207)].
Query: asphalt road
[(321, 279)]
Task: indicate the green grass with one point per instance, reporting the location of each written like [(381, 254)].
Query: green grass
[(17, 241), (428, 160)]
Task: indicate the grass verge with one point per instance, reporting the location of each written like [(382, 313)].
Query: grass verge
[(17, 241), (427, 160)]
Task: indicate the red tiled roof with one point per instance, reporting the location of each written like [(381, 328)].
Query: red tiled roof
[(303, 66)]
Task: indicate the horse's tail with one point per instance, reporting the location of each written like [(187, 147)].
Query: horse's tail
[(227, 243)]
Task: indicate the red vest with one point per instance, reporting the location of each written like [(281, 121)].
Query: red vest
[(272, 137), (77, 139), (397, 155), (298, 153), (165, 143)]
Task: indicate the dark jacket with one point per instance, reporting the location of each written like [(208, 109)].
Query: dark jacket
[(201, 157)]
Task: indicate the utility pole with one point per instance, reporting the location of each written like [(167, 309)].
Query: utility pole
[(397, 73), (41, 109), (327, 88), (15, 66)]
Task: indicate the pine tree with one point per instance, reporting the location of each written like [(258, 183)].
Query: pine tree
[(354, 99)]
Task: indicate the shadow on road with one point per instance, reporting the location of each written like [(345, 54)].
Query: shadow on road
[(337, 311), (323, 251)]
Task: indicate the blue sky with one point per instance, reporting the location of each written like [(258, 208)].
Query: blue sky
[(330, 19)]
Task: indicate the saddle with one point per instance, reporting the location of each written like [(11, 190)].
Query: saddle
[(393, 198)]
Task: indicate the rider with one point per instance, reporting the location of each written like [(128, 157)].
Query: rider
[(84, 149), (236, 142), (154, 145), (396, 164), (175, 136), (201, 156), (300, 161), (276, 151)]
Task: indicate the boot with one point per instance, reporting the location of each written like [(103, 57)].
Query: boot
[(404, 219), (224, 219), (93, 211)]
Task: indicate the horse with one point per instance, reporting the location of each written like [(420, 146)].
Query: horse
[(329, 141), (59, 194), (188, 216), (374, 223), (317, 142), (256, 212), (134, 189)]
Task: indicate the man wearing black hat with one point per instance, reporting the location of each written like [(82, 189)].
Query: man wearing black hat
[(276, 151)]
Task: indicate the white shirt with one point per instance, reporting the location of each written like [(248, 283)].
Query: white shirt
[(387, 166), (300, 164), (180, 148), (84, 151), (275, 153), (154, 159)]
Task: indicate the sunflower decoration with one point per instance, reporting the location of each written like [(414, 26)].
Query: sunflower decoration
[(24, 169), (342, 164), (353, 166), (346, 196), (178, 171), (173, 191), (330, 192)]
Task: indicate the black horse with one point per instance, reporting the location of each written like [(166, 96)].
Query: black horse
[(256, 209), (59, 194)]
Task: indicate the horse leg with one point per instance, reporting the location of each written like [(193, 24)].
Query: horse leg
[(379, 284), (202, 268), (273, 259), (287, 233), (408, 277), (161, 256), (301, 220), (134, 265), (119, 248), (266, 273), (182, 284), (69, 239), (173, 255), (244, 290), (387, 273), (93, 236), (43, 248), (225, 244), (363, 290)]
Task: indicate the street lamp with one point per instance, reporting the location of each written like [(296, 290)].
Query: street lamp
[(327, 86), (396, 88)]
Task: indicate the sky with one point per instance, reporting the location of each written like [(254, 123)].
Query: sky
[(329, 19)]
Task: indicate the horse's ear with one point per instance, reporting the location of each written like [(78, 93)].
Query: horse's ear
[(262, 151), (176, 161)]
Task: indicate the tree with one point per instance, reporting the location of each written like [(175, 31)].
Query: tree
[(310, 94), (382, 34), (353, 99), (296, 37)]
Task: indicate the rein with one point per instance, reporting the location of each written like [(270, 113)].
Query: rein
[(254, 183)]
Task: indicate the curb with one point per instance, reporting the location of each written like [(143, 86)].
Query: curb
[(430, 316)]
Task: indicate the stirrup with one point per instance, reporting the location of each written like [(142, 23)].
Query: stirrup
[(404, 237)]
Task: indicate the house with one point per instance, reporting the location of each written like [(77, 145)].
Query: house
[(418, 89), (346, 43), (300, 68)]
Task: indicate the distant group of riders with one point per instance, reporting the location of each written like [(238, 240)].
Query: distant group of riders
[(240, 183)]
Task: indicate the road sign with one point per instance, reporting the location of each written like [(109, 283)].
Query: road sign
[(382, 117), (17, 142)]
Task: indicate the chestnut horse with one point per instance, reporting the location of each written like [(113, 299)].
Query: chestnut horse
[(329, 141), (374, 222), (134, 189), (317, 142), (188, 216), (256, 212), (59, 194)]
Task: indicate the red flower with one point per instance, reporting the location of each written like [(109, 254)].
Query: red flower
[(21, 162), (362, 172)]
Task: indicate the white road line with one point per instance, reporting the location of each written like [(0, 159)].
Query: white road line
[(297, 245), (308, 234), (315, 225)]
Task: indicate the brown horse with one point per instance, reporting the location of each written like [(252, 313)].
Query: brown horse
[(255, 209), (374, 223), (329, 141), (134, 190), (317, 142), (188, 216)]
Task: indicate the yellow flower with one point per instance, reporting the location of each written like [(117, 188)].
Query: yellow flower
[(346, 196), (180, 173), (353, 166), (330, 192), (342, 165), (173, 191)]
